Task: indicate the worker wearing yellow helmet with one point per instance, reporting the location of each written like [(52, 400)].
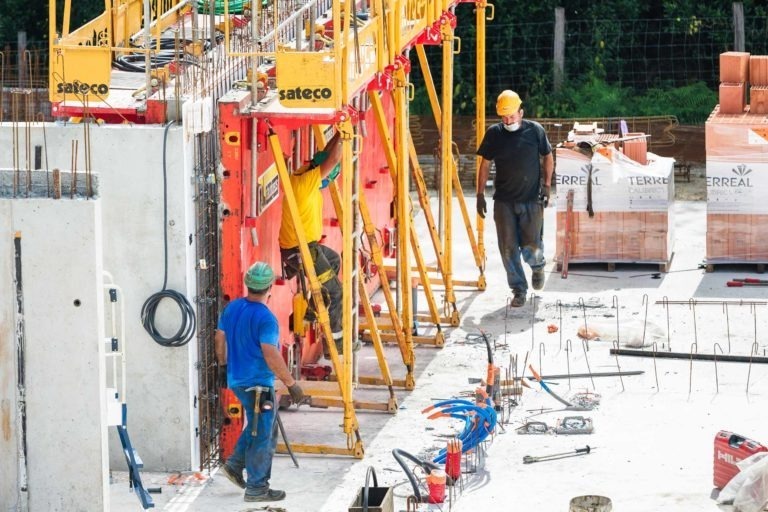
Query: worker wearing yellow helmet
[(522, 154)]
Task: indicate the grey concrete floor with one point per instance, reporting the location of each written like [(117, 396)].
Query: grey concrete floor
[(654, 431)]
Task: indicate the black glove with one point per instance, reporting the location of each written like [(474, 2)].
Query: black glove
[(544, 195), (297, 394), (481, 208), (222, 376)]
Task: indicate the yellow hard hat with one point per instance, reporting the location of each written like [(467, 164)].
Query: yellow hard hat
[(508, 103)]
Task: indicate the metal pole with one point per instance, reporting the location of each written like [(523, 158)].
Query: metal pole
[(147, 57), (738, 26), (559, 54), (21, 43), (480, 83)]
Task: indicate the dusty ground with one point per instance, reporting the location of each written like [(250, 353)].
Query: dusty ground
[(695, 189)]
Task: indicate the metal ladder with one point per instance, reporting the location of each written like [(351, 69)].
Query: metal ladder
[(117, 409)]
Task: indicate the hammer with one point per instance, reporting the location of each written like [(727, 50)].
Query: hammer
[(257, 390)]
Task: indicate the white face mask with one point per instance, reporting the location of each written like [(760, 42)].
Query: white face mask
[(511, 127)]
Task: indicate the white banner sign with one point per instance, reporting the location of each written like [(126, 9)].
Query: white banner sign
[(617, 183), (737, 187)]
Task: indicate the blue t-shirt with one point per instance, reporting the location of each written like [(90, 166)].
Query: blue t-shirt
[(247, 325)]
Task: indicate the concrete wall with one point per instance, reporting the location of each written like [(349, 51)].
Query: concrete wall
[(66, 431), (9, 478), (129, 163)]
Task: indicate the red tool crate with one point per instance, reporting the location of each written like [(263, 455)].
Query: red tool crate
[(730, 448)]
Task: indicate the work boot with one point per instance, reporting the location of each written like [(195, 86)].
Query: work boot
[(339, 341), (518, 300), (537, 279), (233, 475), (268, 495)]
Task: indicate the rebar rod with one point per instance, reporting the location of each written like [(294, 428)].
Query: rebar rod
[(618, 366), (586, 358)]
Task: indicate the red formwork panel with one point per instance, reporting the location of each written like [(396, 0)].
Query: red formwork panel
[(250, 234), (731, 448), (375, 184), (232, 425)]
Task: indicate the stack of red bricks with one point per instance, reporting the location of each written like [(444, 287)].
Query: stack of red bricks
[(737, 163), (632, 237), (632, 220), (739, 71)]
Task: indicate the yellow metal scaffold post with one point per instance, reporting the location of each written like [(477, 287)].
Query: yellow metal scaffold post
[(392, 161)]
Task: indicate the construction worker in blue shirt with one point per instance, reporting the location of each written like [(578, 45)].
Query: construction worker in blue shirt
[(247, 347)]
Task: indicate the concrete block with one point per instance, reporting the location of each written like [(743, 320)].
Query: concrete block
[(734, 67), (732, 98), (632, 245), (758, 70), (758, 99), (636, 149)]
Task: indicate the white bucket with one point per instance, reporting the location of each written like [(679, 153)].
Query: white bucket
[(591, 504)]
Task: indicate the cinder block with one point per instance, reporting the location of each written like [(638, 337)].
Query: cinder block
[(758, 99), (758, 70), (734, 67), (585, 247), (586, 224), (633, 221), (739, 245), (636, 149), (611, 223), (610, 245), (717, 222), (739, 223), (717, 246), (732, 98), (657, 222), (655, 246), (632, 244)]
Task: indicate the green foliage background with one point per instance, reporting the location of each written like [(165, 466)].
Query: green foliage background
[(610, 69), (623, 58), (32, 16)]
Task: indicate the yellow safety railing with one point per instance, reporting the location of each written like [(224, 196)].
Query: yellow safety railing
[(81, 60), (314, 70)]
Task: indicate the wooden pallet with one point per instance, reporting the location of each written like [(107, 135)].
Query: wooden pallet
[(611, 264), (759, 266)]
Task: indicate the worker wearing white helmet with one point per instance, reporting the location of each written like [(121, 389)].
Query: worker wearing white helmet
[(524, 166)]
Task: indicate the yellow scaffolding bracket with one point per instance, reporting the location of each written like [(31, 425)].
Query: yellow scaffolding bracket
[(409, 230), (343, 370), (386, 377), (449, 167)]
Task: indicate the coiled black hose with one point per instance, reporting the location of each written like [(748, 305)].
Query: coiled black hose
[(186, 330), (168, 50)]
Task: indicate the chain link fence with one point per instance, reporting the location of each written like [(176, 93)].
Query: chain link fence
[(639, 54)]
